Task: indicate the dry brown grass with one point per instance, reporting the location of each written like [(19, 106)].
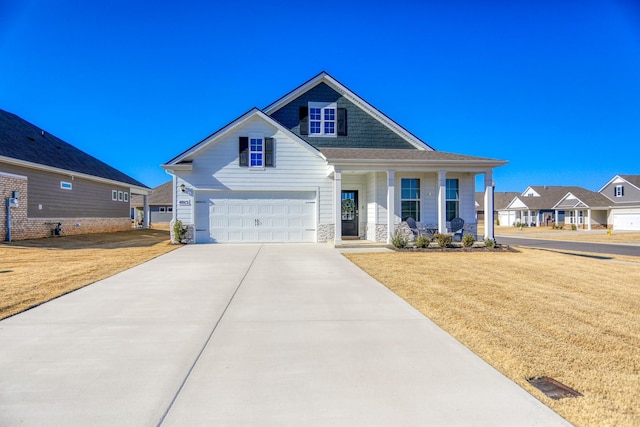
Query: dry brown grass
[(594, 236), (35, 271), (534, 313)]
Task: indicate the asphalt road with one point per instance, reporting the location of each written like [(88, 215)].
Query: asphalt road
[(600, 248)]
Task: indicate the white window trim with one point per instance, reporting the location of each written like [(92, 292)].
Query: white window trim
[(261, 138), (114, 195), (120, 196), (126, 196), (618, 190), (66, 185), (324, 106), (457, 199), (162, 209), (402, 199)]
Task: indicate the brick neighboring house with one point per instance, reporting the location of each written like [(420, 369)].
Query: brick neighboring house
[(55, 188), (160, 205)]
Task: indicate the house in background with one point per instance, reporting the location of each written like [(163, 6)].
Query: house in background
[(49, 186), (624, 193), (160, 206), (561, 205), (501, 200), (321, 164)]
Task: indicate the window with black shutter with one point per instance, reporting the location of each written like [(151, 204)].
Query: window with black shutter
[(304, 120), (268, 152), (342, 121), (243, 150)]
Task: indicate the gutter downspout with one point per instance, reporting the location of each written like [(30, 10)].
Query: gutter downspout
[(9, 200)]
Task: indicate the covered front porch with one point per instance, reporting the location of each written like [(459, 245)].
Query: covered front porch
[(371, 204)]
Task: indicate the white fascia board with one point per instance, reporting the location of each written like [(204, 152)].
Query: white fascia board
[(516, 204), (355, 99), (174, 163), (132, 188), (609, 182), (450, 165), (528, 190)]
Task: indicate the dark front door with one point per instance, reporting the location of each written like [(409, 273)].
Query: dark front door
[(349, 213)]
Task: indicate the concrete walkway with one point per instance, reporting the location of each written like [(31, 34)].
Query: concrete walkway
[(239, 335)]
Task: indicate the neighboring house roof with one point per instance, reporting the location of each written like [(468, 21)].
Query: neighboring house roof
[(632, 179), (582, 198), (162, 195), (29, 145), (548, 197), (324, 77), (501, 199)]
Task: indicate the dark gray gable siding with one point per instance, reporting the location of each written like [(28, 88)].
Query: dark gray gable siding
[(363, 131), (86, 199)]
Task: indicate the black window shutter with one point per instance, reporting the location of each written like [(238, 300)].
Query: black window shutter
[(304, 120), (268, 152), (342, 121), (243, 150), (622, 190)]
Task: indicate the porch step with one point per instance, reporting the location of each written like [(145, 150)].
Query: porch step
[(354, 244)]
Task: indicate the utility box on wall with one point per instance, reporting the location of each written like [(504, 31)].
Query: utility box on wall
[(12, 202)]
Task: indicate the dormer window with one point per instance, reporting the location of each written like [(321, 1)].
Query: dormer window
[(255, 151), (323, 119), (619, 191)]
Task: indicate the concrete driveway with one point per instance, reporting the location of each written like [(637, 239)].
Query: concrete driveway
[(238, 335)]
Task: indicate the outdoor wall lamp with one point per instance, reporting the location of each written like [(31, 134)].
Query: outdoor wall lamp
[(183, 188)]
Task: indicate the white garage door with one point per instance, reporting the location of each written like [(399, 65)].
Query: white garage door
[(626, 221), (256, 217)]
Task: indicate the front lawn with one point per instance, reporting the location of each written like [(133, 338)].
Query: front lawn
[(534, 313), (36, 271)]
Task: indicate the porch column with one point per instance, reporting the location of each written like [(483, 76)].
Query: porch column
[(557, 217), (488, 205), (528, 217), (575, 217), (442, 202), (147, 211), (391, 203), (337, 207), (589, 219)]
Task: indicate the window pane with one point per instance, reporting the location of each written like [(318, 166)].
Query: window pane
[(452, 189), (256, 159), (410, 209), (314, 127), (329, 127), (256, 144), (452, 210), (410, 195), (329, 114), (314, 114)]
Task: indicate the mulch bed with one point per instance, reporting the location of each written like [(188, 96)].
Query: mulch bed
[(435, 248)]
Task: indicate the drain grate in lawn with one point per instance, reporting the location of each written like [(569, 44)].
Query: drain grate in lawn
[(552, 388)]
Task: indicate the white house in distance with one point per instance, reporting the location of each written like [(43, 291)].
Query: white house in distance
[(320, 164), (624, 192)]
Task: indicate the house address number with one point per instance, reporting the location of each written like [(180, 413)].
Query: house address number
[(184, 202)]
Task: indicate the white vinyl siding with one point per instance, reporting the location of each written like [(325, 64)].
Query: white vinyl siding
[(216, 168)]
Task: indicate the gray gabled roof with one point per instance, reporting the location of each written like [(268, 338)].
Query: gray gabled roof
[(590, 199), (550, 195), (26, 142), (632, 179), (501, 199), (162, 195)]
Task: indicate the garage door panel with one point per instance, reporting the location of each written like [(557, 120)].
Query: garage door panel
[(626, 222), (261, 217)]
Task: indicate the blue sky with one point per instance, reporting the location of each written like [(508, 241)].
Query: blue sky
[(551, 86)]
